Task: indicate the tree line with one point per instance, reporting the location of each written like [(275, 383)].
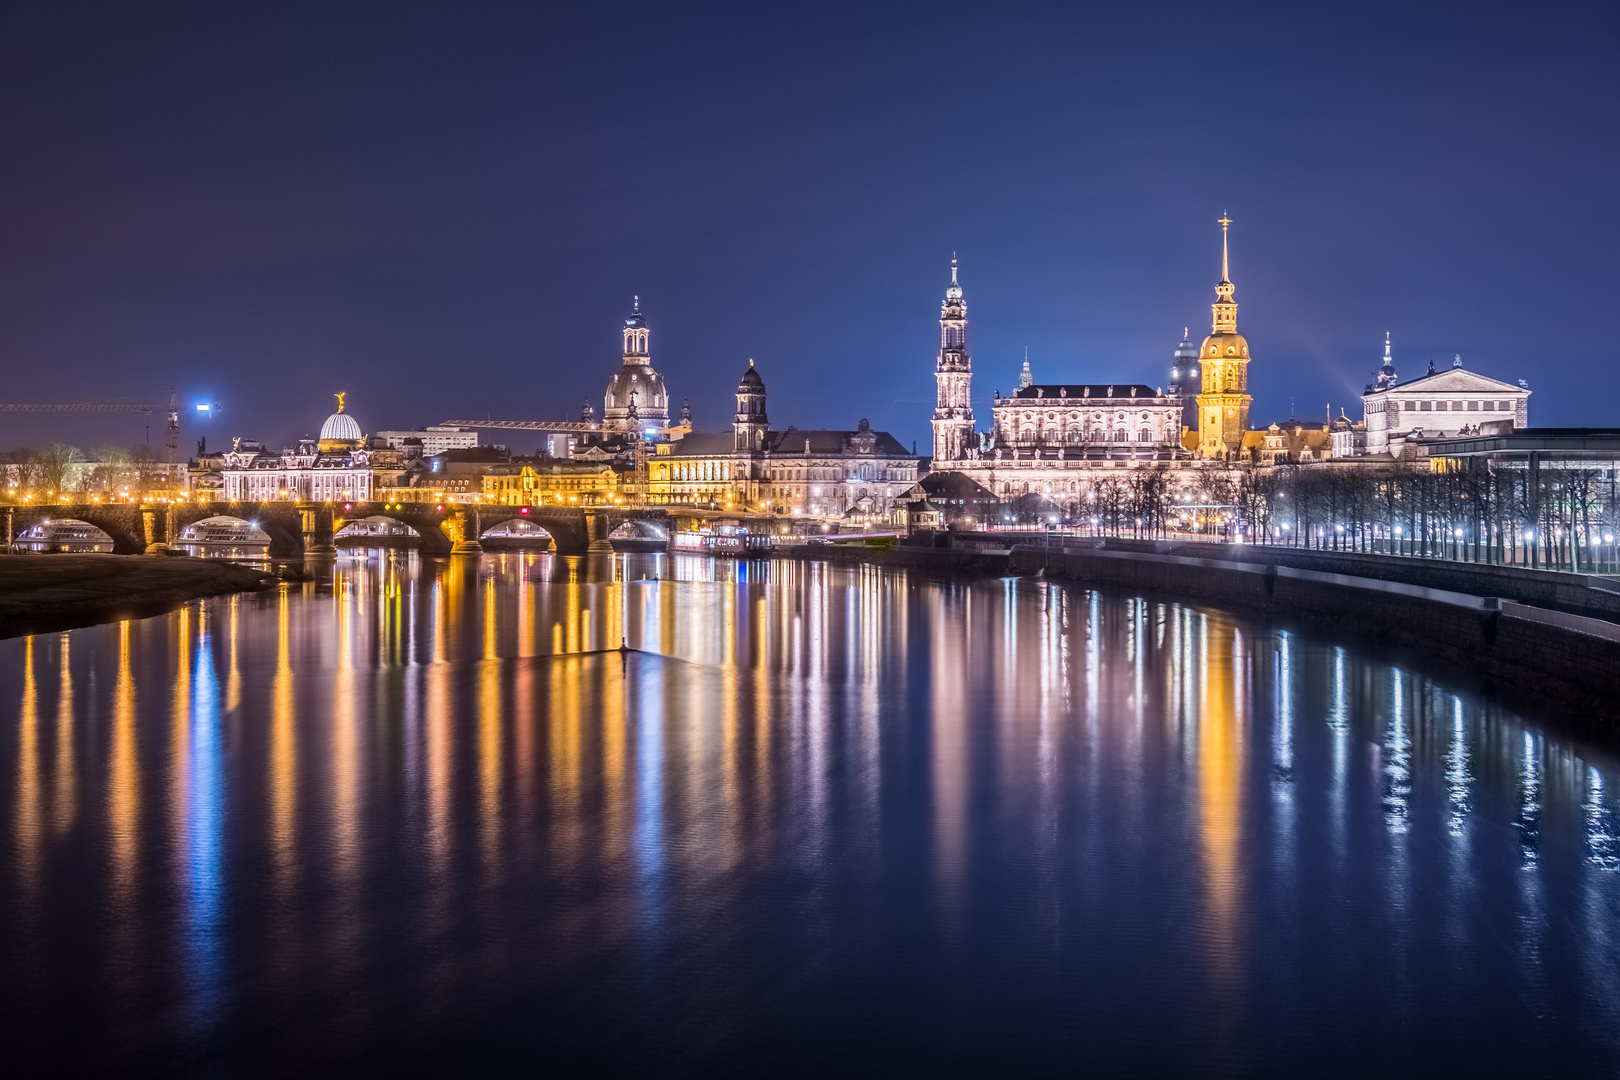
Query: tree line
[(63, 471), (1558, 515)]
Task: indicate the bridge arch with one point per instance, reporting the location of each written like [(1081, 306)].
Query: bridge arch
[(637, 529), (379, 529), (517, 530), (62, 534), (121, 523), (225, 530)]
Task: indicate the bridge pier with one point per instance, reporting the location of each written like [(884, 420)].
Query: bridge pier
[(464, 542), (596, 527), (316, 520), (155, 529)]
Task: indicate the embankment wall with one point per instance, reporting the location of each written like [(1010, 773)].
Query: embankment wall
[(1571, 658)]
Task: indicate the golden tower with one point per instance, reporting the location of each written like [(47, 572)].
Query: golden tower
[(1223, 404)]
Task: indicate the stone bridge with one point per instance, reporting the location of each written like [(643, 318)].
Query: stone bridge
[(307, 528)]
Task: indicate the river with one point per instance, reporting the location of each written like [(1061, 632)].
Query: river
[(843, 820)]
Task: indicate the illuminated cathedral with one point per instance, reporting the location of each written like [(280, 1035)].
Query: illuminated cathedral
[(1059, 440)]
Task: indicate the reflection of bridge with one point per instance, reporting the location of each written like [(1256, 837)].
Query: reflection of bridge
[(307, 528)]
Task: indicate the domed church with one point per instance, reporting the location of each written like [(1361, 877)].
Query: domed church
[(340, 434), (635, 383)]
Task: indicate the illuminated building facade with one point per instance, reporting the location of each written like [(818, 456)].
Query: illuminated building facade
[(821, 472), (1223, 403), (428, 441), (337, 467), (1052, 440), (550, 483), (1439, 404)]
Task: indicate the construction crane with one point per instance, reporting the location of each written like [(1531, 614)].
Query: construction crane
[(113, 407), (526, 425)]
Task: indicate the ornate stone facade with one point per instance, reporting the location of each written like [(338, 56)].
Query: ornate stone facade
[(1434, 405), (635, 383), (953, 378), (1223, 403), (823, 473)]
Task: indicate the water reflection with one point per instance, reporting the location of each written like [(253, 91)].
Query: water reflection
[(991, 813)]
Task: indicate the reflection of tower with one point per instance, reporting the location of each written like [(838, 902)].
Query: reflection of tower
[(637, 378), (1184, 379), (1223, 405), (953, 376), (638, 490), (1222, 706)]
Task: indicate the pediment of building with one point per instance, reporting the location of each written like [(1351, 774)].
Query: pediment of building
[(1456, 381)]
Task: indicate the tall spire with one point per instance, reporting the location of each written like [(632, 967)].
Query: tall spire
[(1225, 308), (953, 376), (1226, 223)]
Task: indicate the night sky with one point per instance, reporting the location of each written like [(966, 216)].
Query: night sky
[(446, 209)]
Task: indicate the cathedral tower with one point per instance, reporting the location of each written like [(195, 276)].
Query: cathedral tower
[(953, 376), (748, 429), (1184, 379), (1223, 405), (635, 379)]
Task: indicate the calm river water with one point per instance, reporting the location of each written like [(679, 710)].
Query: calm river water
[(836, 820)]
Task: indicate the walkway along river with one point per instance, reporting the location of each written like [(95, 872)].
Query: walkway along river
[(846, 819)]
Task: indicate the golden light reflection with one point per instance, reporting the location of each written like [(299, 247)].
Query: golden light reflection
[(283, 750), (563, 742), (345, 746), (615, 787), (123, 790), (67, 796), (489, 754), (438, 763), (180, 729), (1220, 793), (492, 649), (233, 681), (28, 797)]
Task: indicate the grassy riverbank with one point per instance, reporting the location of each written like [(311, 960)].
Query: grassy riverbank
[(41, 593)]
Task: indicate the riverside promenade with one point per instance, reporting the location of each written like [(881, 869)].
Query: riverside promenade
[(1550, 633)]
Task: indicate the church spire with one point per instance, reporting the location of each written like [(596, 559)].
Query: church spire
[(953, 376), (1386, 374), (1224, 308), (1226, 223)]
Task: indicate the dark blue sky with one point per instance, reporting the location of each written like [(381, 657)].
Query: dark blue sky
[(445, 210)]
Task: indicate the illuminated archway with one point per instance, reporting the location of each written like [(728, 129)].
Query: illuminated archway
[(64, 535)]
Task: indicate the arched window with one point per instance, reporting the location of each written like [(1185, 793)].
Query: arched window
[(1119, 435)]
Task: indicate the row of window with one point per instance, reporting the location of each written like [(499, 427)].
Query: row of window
[(1459, 406), (1097, 435)]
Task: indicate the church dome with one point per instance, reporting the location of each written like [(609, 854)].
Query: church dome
[(647, 387), (1186, 350), (750, 383), (340, 427), (1224, 347)]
